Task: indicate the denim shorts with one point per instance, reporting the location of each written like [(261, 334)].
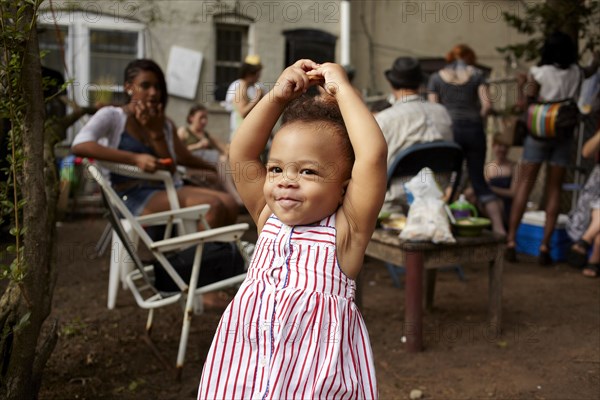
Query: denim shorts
[(136, 197), (553, 152)]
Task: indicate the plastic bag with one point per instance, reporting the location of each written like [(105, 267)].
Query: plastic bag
[(427, 219)]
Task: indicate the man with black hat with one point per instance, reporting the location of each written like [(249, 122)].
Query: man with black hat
[(411, 119)]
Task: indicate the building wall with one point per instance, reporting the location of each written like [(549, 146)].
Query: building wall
[(190, 24), (381, 30), (385, 29)]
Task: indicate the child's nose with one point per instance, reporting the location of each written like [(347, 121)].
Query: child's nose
[(288, 180)]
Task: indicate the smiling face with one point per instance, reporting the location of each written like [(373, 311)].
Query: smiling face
[(306, 175)]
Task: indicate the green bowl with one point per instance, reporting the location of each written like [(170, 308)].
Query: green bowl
[(470, 227)]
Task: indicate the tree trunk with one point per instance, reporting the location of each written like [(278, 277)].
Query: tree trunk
[(24, 349)]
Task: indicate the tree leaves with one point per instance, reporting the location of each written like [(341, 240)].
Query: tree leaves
[(541, 19)]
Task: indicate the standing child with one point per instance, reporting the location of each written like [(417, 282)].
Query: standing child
[(293, 329)]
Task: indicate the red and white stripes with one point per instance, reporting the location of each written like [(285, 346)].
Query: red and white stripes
[(293, 330)]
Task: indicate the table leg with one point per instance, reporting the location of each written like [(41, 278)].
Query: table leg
[(413, 314), (495, 289)]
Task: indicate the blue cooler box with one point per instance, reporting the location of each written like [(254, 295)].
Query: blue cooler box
[(531, 231)]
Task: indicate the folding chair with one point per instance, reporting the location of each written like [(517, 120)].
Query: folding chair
[(140, 281), (443, 158), (118, 268)]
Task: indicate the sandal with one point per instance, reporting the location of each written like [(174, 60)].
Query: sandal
[(544, 258), (510, 252), (591, 270), (578, 254)]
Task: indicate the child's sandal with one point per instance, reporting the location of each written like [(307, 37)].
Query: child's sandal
[(591, 270), (576, 257)]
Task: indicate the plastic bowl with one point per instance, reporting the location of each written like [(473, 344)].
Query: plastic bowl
[(472, 226)]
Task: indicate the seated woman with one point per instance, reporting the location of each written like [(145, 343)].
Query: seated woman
[(207, 147), (197, 140), (583, 226), (140, 134), (500, 175)]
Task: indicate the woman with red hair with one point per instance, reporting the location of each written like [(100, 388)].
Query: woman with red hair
[(462, 89)]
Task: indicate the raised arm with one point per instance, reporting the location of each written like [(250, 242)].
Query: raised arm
[(591, 146), (241, 102), (485, 100), (252, 136), (366, 189)]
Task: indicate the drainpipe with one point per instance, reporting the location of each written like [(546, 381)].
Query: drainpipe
[(345, 32)]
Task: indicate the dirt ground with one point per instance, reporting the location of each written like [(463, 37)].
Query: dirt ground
[(549, 347)]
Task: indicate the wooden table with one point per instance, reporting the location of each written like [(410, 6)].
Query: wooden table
[(419, 256)]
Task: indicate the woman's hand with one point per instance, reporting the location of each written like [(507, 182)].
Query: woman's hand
[(203, 143), (151, 117), (146, 162)]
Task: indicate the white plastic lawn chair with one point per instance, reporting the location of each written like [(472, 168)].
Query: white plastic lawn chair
[(140, 280), (119, 268)]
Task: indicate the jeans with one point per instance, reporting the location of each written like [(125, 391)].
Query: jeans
[(470, 136)]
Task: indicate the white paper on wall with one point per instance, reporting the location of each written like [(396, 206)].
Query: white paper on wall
[(183, 72)]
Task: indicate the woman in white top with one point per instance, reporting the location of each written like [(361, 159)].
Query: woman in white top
[(244, 93), (556, 77), (140, 134)]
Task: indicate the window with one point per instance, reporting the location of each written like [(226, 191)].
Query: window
[(309, 43), (91, 51), (53, 42), (231, 47), (110, 52)]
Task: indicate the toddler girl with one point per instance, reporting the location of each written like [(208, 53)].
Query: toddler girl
[(293, 330)]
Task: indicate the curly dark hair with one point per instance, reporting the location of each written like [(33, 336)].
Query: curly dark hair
[(249, 69), (559, 49), (324, 111)]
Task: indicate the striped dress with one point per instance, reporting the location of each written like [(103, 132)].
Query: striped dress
[(292, 331)]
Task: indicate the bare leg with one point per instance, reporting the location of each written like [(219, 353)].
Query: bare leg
[(592, 270), (578, 253), (595, 256), (223, 209), (227, 180), (525, 180), (226, 209), (553, 189), (594, 228), (494, 211)]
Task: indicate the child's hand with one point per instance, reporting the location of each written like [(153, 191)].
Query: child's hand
[(293, 81), (334, 77)]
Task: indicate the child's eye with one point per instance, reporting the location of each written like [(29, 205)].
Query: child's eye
[(308, 172), (274, 169)]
